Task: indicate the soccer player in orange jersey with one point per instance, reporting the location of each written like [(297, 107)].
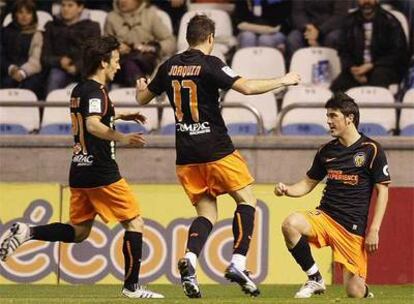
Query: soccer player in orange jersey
[(207, 163)]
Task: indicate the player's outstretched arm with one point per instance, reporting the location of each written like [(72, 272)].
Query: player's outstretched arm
[(135, 116), (259, 86), (299, 189), (372, 238), (98, 129), (143, 95)]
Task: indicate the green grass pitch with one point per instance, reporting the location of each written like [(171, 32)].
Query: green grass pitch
[(216, 294)]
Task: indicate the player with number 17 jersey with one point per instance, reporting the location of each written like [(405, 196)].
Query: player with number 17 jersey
[(201, 135)]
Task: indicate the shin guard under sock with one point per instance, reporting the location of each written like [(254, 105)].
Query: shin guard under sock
[(243, 224), (132, 251), (198, 234)]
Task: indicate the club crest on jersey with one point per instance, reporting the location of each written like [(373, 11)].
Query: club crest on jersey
[(359, 159), (95, 105), (77, 148)]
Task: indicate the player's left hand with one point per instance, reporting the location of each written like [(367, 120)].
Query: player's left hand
[(372, 241), (137, 117)]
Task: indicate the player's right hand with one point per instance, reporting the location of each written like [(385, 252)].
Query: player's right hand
[(136, 139), (141, 84), (280, 189), (291, 78)]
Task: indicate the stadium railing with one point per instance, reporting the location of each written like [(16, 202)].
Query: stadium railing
[(281, 115), (254, 111)]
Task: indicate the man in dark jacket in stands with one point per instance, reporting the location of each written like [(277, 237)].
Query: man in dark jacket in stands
[(63, 38), (373, 48), (316, 23)]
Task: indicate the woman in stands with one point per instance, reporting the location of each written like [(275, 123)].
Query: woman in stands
[(21, 45)]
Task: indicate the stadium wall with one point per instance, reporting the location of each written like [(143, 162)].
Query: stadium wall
[(44, 159)]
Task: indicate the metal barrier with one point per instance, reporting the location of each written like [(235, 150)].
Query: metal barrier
[(312, 105), (54, 104)]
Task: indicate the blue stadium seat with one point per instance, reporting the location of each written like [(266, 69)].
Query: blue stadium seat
[(12, 129), (242, 128), (130, 128), (372, 129), (408, 131), (168, 129), (303, 129), (57, 129)]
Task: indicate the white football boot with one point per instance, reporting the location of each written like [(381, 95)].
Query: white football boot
[(141, 292), (310, 288), (18, 234)]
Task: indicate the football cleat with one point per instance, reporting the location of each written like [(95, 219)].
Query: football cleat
[(141, 292), (188, 279), (243, 279), (310, 288), (18, 234)]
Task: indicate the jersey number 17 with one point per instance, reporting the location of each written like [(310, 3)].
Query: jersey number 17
[(192, 87)]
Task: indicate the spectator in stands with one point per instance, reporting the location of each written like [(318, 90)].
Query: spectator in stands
[(174, 8), (144, 38), (316, 23), (41, 5), (262, 22), (373, 48), (21, 45), (62, 47)]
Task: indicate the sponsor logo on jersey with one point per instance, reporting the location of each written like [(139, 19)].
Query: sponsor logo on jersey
[(83, 160), (229, 71), (349, 179), (359, 159), (195, 128), (95, 105)]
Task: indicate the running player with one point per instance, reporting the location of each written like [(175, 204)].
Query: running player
[(95, 182), (353, 164), (207, 163)]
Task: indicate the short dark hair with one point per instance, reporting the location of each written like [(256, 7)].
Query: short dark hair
[(78, 2), (96, 50), (198, 29), (345, 104), (30, 5)]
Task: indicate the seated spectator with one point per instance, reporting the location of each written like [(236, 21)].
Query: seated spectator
[(316, 23), (62, 45), (174, 8), (262, 22), (373, 48), (144, 38), (21, 45)]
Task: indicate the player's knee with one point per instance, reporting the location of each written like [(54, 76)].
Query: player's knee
[(136, 224), (80, 236), (354, 290), (290, 223)]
